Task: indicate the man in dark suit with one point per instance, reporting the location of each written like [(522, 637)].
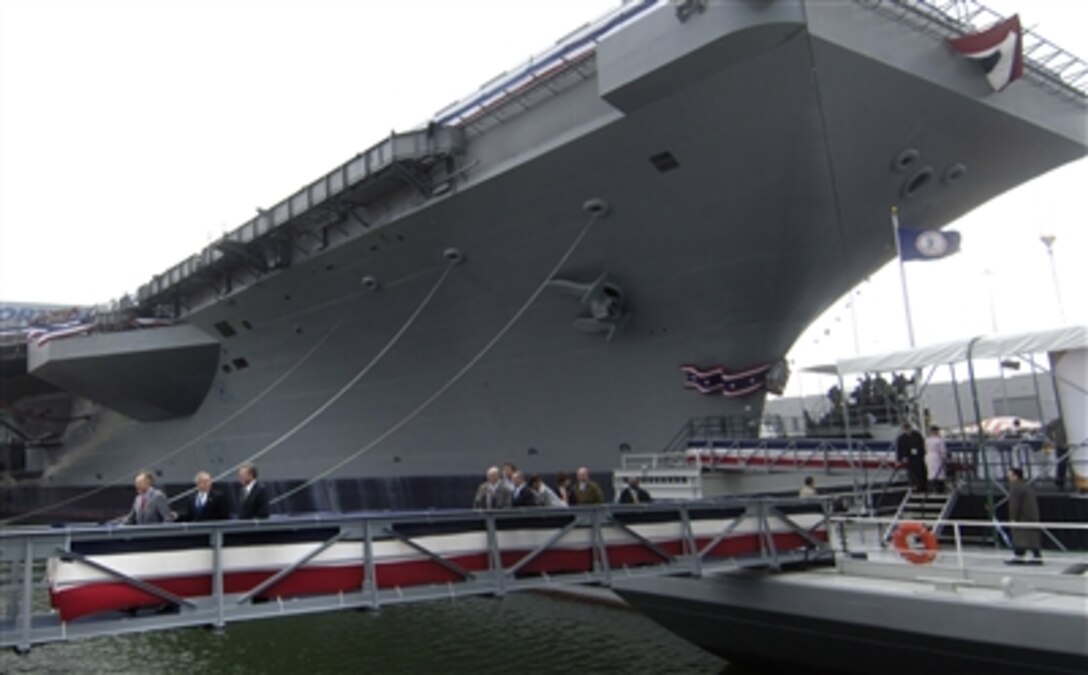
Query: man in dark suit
[(633, 494), (207, 503), (254, 501), (910, 449)]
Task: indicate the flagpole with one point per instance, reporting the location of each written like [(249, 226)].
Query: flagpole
[(902, 276), (906, 308)]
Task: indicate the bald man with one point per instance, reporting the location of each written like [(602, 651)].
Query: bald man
[(585, 490), (493, 493), (207, 503), (150, 505)]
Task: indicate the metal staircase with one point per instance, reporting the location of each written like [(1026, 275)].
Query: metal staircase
[(931, 508)]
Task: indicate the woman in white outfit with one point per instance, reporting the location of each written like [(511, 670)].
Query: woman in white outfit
[(936, 454)]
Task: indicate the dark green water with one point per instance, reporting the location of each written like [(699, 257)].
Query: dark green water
[(531, 632)]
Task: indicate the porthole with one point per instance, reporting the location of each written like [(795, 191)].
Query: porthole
[(904, 160), (954, 172), (917, 181)]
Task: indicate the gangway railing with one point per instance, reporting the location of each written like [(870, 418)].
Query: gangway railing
[(793, 454), (84, 581), (863, 537)]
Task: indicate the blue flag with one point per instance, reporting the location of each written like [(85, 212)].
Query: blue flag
[(927, 244)]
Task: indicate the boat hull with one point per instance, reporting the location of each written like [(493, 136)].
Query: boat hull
[(746, 619)]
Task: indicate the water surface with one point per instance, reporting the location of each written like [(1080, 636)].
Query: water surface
[(534, 632)]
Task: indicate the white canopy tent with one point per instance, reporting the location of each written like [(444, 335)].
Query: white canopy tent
[(959, 351), (1072, 340)]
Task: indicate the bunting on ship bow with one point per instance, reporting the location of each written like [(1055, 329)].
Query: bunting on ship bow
[(717, 380), (999, 50)]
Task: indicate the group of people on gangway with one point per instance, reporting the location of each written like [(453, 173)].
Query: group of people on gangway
[(206, 503), (508, 487)]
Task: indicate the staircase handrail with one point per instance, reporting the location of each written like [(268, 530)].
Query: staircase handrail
[(951, 497)]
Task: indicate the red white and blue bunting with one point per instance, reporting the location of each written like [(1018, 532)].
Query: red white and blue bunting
[(999, 50), (717, 380)]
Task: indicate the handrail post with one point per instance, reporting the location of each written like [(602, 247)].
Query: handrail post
[(599, 544), (689, 539), (843, 541), (494, 556), (217, 581), (370, 570), (959, 545), (768, 534), (26, 611)]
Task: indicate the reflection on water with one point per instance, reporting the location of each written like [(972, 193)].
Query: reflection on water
[(535, 632)]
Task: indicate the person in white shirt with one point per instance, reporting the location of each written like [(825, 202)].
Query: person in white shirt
[(808, 489), (545, 496), (936, 456)]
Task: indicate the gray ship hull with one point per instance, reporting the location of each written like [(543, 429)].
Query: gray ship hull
[(748, 161)]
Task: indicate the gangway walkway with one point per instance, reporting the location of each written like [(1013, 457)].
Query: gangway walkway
[(86, 581)]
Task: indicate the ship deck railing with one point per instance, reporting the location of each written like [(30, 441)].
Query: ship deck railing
[(862, 547), (1056, 68), (967, 458), (392, 558)]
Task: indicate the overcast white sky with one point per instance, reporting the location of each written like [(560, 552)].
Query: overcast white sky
[(134, 131)]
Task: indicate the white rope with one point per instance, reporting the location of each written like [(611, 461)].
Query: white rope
[(188, 444), (344, 389), (453, 380)]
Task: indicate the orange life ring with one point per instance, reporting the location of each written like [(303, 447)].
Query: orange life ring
[(915, 542)]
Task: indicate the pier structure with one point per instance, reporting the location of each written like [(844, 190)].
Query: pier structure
[(73, 582)]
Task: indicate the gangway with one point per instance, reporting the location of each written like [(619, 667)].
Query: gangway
[(86, 581)]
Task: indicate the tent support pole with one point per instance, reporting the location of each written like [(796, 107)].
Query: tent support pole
[(990, 511), (956, 395), (850, 443)]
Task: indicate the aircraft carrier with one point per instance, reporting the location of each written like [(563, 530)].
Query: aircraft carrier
[(524, 276)]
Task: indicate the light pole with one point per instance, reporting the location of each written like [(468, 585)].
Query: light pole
[(1048, 241), (990, 294)]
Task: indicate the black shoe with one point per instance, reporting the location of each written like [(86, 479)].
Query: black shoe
[(1015, 561), (1034, 561)]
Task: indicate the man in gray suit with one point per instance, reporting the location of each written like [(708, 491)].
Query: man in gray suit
[(493, 493), (150, 505)]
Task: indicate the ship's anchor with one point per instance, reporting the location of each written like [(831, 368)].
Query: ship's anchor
[(605, 301)]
